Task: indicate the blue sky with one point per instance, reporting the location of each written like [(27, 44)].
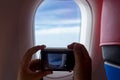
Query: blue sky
[(57, 23)]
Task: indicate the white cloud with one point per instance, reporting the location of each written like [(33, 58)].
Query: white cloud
[(71, 21), (58, 30)]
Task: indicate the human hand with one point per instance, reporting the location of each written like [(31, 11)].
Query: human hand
[(31, 69), (83, 66)]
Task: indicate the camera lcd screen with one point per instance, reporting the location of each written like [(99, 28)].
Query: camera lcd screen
[(57, 61)]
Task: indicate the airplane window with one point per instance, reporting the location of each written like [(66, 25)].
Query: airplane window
[(57, 24)]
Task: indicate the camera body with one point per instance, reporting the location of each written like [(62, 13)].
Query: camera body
[(57, 59)]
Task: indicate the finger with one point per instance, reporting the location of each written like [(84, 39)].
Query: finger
[(35, 65), (84, 51), (28, 55), (80, 47), (71, 45), (81, 53), (77, 52)]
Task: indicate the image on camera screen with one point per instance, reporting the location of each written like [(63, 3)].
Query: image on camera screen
[(57, 61)]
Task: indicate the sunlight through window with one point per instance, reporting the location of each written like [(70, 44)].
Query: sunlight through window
[(57, 23)]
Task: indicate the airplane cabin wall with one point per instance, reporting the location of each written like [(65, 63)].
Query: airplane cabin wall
[(98, 71), (16, 34), (9, 56)]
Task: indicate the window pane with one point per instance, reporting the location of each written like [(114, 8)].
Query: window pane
[(57, 23)]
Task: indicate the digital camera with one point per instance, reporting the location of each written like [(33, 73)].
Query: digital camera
[(57, 59)]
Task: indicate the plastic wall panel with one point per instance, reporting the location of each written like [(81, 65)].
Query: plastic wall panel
[(110, 25)]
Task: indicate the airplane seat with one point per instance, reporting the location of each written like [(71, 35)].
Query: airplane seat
[(111, 56), (110, 38)]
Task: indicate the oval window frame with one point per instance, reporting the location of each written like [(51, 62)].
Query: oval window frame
[(85, 31)]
